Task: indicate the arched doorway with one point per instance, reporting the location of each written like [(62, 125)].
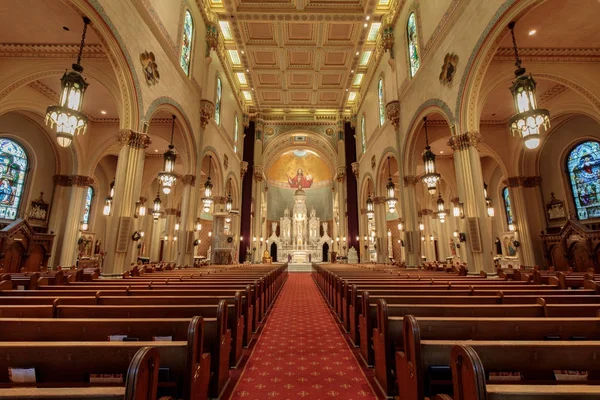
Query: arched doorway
[(274, 252), (325, 252)]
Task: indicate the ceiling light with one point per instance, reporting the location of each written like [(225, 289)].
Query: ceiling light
[(532, 32), (346, 90), (352, 96), (103, 112), (247, 70), (242, 78), (365, 25), (358, 79), (247, 95), (364, 58), (351, 71), (441, 151), (384, 2), (368, 17), (372, 36), (226, 30), (234, 56), (242, 51), (357, 53)]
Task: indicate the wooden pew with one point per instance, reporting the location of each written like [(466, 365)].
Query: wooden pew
[(141, 378), (535, 360), (388, 337), (195, 371)]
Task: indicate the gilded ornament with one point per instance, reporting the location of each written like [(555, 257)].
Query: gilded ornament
[(150, 68)]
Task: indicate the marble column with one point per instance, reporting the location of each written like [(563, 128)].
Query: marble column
[(476, 225), (186, 224), (258, 188), (408, 202), (128, 181), (75, 207), (381, 229), (340, 175), (56, 219)]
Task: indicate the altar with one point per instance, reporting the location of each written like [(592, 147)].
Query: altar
[(300, 241)]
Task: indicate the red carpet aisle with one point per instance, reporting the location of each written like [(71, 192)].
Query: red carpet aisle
[(301, 352)]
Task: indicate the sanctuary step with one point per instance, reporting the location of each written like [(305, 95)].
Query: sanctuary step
[(299, 267)]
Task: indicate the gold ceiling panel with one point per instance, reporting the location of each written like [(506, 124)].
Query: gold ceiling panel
[(300, 34), (269, 79), (303, 59), (300, 79), (265, 59)]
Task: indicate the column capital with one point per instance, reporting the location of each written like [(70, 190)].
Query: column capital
[(259, 127), (411, 180), (171, 211), (379, 200), (340, 173), (136, 140), (243, 169), (426, 211), (392, 111), (464, 141), (212, 38), (207, 112), (258, 173), (525, 181), (73, 180), (356, 169), (353, 121), (188, 180)]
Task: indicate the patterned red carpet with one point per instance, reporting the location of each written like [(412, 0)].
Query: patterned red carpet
[(301, 352)]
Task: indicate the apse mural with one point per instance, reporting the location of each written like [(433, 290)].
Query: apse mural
[(583, 166), (299, 168)]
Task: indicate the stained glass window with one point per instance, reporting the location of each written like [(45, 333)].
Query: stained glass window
[(235, 134), (363, 133), (218, 102), (381, 104), (507, 206), (186, 42), (89, 196), (583, 166), (413, 44), (13, 168)]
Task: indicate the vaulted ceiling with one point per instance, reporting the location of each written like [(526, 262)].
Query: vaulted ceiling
[(300, 54)]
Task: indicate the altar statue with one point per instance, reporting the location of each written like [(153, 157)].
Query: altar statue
[(274, 228), (325, 226)]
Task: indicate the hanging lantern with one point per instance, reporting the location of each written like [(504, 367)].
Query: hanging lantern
[(112, 189), (67, 118), (140, 209), (370, 208), (488, 201), (455, 234), (421, 226), (529, 120), (458, 210), (441, 207), (167, 176), (431, 177), (156, 207), (107, 206), (391, 191), (229, 201), (176, 226), (207, 199)]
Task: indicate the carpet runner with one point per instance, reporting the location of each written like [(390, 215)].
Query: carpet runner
[(301, 352)]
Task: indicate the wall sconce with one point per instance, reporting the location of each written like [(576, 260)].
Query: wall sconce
[(455, 234), (254, 239), (358, 238), (174, 238), (431, 238), (166, 239), (422, 238), (142, 233), (136, 236)]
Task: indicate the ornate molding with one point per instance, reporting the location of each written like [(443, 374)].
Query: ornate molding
[(29, 51), (549, 54), (464, 141), (356, 169), (133, 139), (207, 112), (379, 200), (73, 180), (243, 169), (340, 173), (426, 211), (171, 211), (525, 181), (392, 112), (411, 180), (189, 180), (258, 173)]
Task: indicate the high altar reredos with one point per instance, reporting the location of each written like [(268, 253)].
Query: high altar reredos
[(300, 241)]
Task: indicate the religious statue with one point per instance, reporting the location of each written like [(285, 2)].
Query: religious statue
[(325, 226), (274, 228), (313, 227)]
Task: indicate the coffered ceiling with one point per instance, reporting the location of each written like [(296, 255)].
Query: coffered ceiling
[(300, 55)]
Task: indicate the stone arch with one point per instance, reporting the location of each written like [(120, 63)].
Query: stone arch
[(382, 169), (235, 188), (429, 107), (216, 178)]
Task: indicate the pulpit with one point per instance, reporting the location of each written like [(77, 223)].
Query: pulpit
[(576, 245), (22, 248)]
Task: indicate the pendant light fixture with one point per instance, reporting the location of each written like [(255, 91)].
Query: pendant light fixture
[(109, 200), (458, 209), (391, 190), (370, 207), (156, 207), (66, 118), (431, 177), (529, 120), (140, 209), (167, 176), (441, 208), (229, 201), (488, 201), (207, 199)]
